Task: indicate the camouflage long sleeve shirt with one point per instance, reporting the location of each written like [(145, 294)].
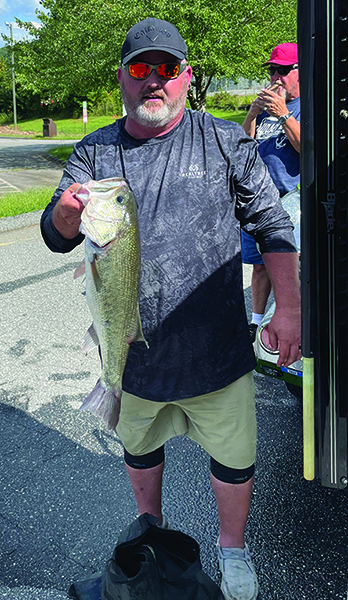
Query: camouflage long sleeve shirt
[(195, 187)]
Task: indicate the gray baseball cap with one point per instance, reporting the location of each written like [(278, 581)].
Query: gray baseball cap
[(153, 34)]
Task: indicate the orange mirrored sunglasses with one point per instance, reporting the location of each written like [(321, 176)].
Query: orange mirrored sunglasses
[(164, 71)]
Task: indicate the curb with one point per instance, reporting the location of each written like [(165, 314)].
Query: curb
[(56, 160), (27, 219), (20, 221)]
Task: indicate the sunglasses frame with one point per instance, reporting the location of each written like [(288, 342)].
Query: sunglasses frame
[(290, 67), (182, 67)]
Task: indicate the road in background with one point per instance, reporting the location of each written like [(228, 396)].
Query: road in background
[(24, 164)]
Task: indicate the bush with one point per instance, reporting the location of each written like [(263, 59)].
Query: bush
[(100, 103), (242, 101), (6, 119), (221, 100), (226, 101)]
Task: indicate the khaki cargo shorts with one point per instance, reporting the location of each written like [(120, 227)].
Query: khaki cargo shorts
[(223, 422)]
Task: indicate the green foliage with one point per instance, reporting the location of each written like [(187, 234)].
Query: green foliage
[(226, 101), (76, 52), (26, 101), (5, 119), (229, 39), (243, 100), (103, 103), (4, 72), (5, 84), (5, 54), (222, 100), (109, 104)]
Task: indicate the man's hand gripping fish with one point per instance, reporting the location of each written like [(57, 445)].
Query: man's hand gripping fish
[(112, 266)]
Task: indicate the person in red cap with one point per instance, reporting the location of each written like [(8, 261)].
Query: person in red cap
[(274, 121)]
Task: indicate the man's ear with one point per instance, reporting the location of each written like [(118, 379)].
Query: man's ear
[(188, 75), (119, 74)]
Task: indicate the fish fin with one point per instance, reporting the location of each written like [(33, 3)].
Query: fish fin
[(81, 269), (95, 275), (91, 340), (105, 404), (137, 335)]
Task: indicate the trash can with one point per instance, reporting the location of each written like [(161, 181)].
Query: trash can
[(49, 128)]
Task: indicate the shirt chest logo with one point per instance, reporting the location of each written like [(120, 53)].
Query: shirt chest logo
[(194, 172)]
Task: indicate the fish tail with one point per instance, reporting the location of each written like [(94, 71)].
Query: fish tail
[(105, 404)]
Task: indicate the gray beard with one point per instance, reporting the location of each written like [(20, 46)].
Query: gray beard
[(157, 118)]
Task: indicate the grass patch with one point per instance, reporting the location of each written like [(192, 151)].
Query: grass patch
[(62, 152), (228, 115), (68, 129), (16, 203)]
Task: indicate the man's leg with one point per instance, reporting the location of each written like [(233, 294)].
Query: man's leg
[(239, 580), (232, 486), (260, 283), (147, 486), (233, 502)]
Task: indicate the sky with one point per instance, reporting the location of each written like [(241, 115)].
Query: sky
[(22, 9)]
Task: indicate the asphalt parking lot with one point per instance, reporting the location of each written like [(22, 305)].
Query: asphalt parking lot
[(24, 163)]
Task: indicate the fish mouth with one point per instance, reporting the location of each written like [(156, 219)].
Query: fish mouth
[(104, 248)]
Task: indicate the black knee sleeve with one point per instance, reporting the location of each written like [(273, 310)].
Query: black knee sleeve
[(145, 461), (229, 475)]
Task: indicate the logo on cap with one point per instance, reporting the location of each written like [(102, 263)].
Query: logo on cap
[(147, 32)]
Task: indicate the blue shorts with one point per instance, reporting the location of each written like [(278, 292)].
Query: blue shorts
[(250, 253)]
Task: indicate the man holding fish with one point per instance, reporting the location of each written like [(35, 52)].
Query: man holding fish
[(196, 179), (274, 121)]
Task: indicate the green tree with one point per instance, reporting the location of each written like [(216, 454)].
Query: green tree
[(4, 75), (75, 52), (77, 49), (5, 82), (230, 39)]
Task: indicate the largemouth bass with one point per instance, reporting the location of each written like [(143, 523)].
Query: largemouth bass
[(112, 266)]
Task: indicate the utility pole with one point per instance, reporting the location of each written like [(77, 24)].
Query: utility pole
[(13, 77)]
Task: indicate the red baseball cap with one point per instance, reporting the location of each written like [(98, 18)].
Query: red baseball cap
[(284, 54)]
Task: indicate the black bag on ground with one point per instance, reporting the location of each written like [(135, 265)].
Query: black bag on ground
[(88, 589), (150, 563)]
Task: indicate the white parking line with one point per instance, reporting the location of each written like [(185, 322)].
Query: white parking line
[(6, 187)]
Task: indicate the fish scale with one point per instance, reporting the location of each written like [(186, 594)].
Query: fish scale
[(114, 307)]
